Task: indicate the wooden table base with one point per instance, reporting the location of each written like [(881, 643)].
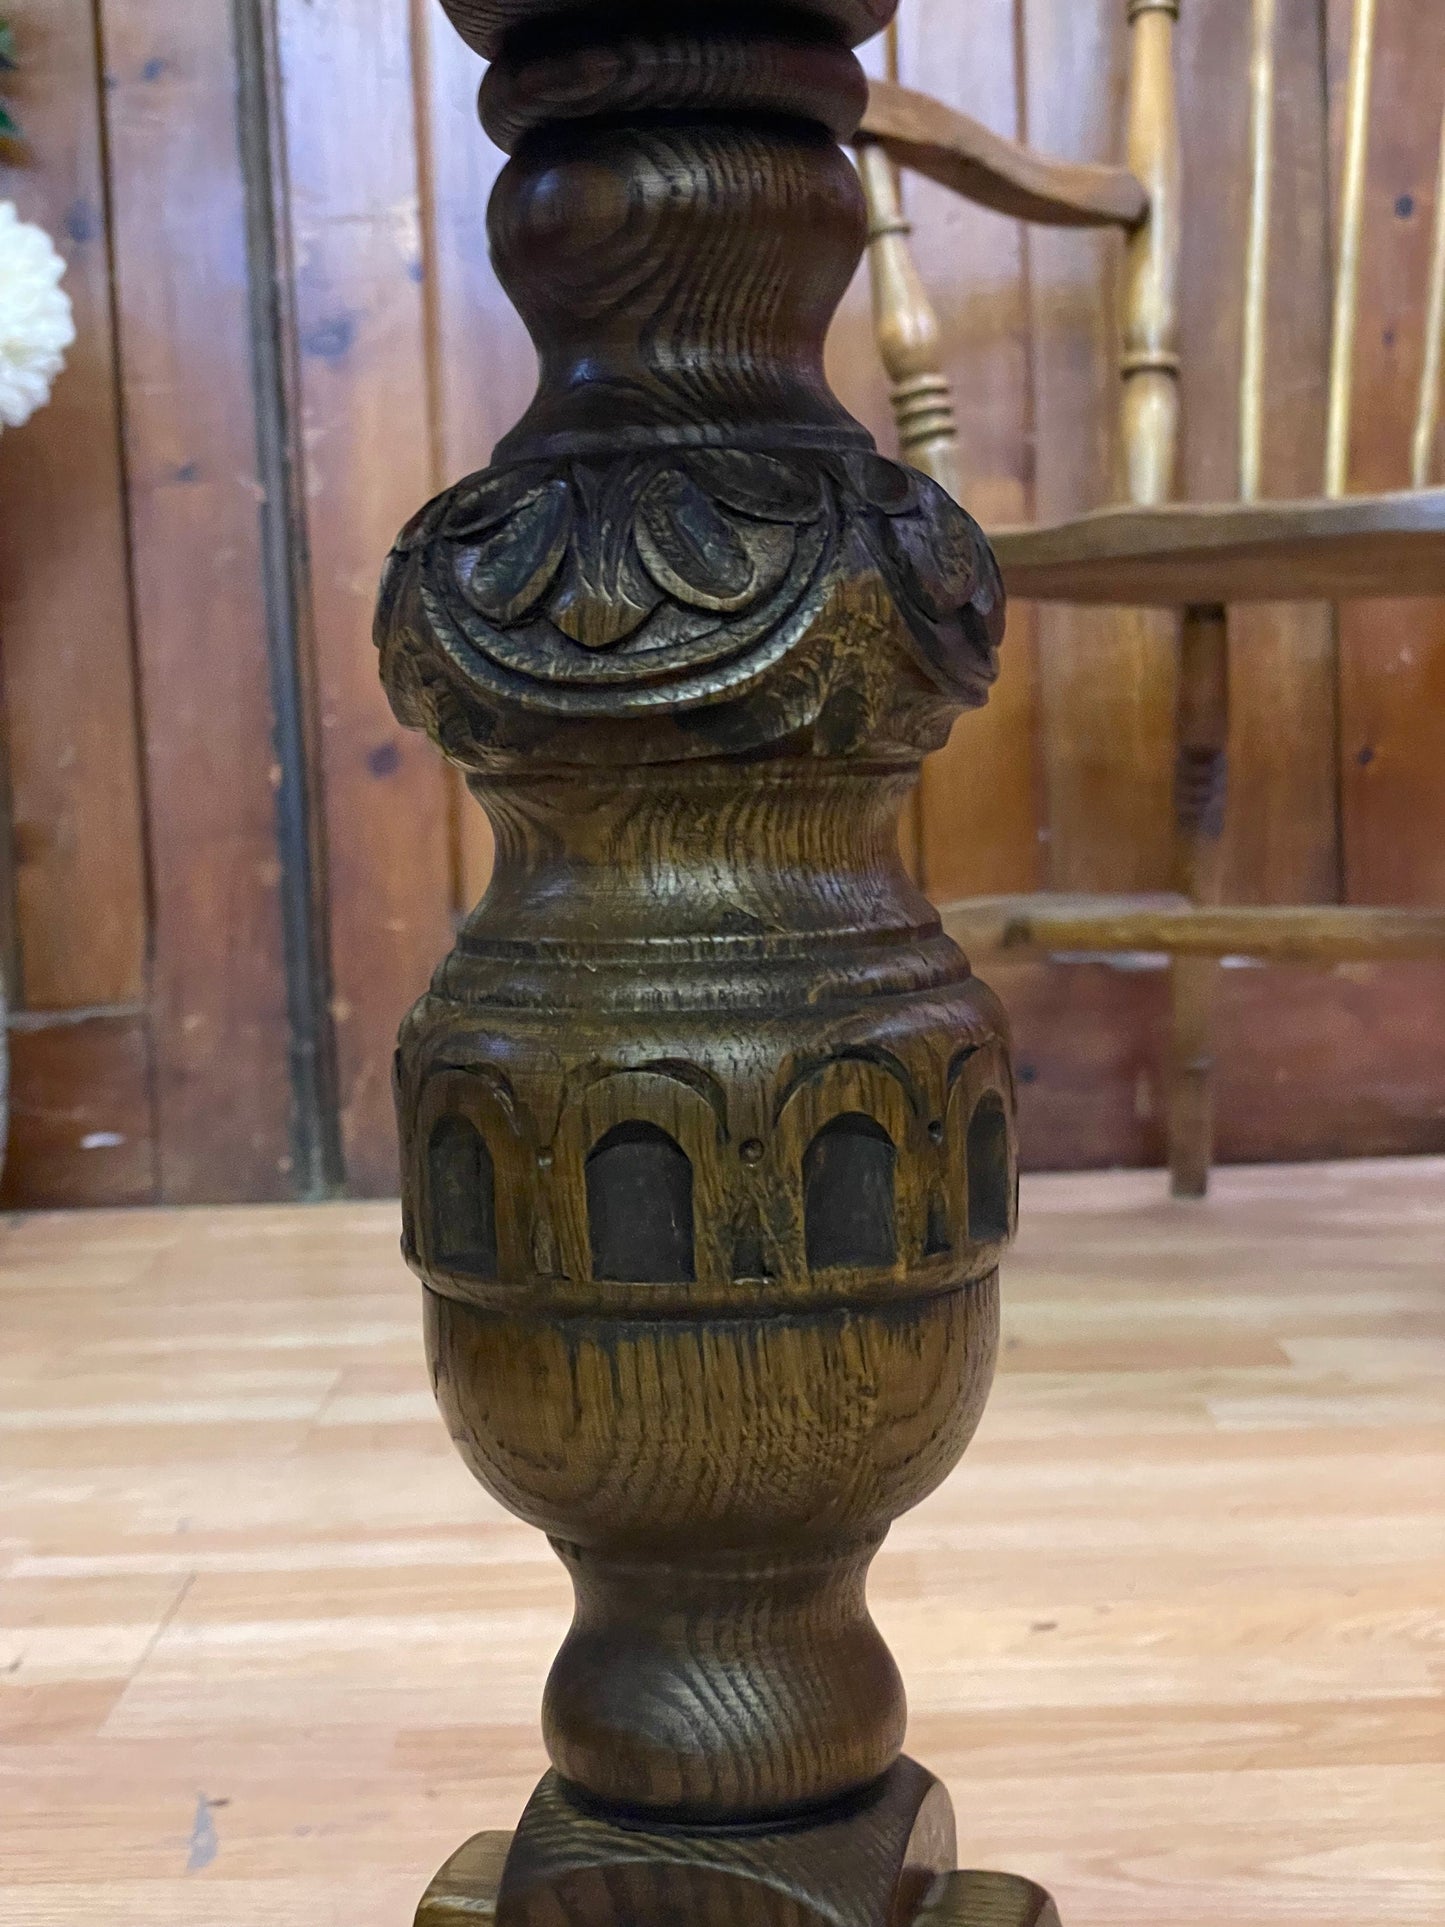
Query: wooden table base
[(467, 1892), (708, 1145)]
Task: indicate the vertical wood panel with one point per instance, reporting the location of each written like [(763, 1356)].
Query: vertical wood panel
[(979, 802), (80, 1115), (221, 1023), (1282, 837), (1392, 654), (359, 266), (69, 687), (1107, 677)]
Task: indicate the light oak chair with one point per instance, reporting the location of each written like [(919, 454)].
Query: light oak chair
[(1152, 551)]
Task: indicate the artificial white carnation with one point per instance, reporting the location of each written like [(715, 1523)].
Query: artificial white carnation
[(36, 321)]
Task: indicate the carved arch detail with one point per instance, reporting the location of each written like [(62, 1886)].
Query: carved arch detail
[(446, 1230), (981, 1150), (853, 1088), (642, 1100)]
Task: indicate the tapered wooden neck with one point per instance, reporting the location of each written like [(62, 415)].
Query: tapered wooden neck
[(726, 169)]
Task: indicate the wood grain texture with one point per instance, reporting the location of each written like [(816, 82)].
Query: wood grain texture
[(706, 1127), (1392, 657), (69, 678), (268, 1628), (1359, 547), (1106, 678), (222, 1032), (1172, 925), (81, 1112), (969, 158), (980, 794)]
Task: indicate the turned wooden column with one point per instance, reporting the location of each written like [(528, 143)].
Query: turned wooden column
[(707, 1128)]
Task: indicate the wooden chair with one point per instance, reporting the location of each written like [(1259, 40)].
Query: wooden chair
[(1153, 552)]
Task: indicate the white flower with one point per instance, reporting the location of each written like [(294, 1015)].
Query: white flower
[(36, 323)]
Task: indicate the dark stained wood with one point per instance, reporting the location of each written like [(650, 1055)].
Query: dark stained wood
[(968, 158), (1359, 546), (82, 1127), (707, 1137), (467, 1890), (222, 1032), (69, 685)]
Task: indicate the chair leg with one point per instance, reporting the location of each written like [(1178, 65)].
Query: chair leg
[(1192, 985)]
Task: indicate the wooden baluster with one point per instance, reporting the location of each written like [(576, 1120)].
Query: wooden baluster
[(1347, 263), (707, 1127), (905, 320), (1151, 460), (1432, 373), (1263, 29), (1151, 278)]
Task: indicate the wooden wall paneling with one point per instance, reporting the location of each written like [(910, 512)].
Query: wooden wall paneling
[(74, 878), (976, 268), (1106, 678), (1392, 654), (476, 398), (1282, 833), (1336, 1063), (64, 595), (223, 1090), (359, 266), (80, 1113)]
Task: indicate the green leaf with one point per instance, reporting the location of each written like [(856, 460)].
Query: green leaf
[(7, 46), (9, 126)]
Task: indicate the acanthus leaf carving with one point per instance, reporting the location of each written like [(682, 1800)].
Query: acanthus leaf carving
[(601, 587)]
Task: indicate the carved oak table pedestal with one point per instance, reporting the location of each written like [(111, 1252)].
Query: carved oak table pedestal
[(707, 1128)]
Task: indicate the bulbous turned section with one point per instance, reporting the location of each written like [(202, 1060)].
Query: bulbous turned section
[(733, 1304), (717, 1489)]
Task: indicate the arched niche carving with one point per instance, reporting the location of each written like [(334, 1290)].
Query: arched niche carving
[(473, 1148), (982, 1151), (850, 1195), (462, 1183), (988, 1158), (641, 1220), (822, 1134), (628, 1118)]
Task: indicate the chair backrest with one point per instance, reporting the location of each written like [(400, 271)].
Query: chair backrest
[(907, 130)]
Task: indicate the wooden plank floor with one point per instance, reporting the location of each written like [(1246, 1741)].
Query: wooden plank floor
[(1172, 1633)]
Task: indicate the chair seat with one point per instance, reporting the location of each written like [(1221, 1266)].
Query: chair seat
[(1050, 924), (1190, 555)]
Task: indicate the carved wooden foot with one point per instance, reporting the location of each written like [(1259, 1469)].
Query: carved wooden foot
[(707, 1127), (850, 1871)]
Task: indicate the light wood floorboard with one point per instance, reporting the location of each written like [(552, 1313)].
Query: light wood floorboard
[(1172, 1633)]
